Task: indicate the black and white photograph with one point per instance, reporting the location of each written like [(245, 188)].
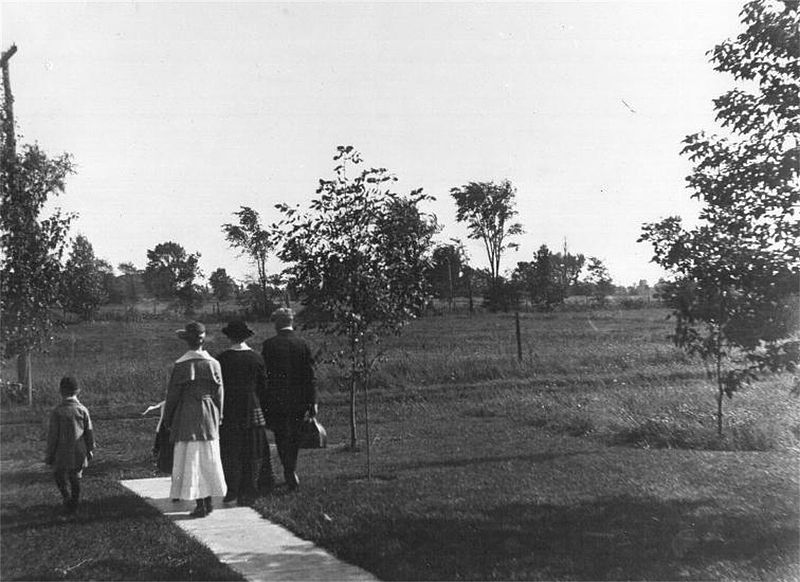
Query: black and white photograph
[(337, 290)]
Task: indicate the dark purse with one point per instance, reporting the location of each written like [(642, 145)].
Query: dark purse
[(312, 435), (163, 450)]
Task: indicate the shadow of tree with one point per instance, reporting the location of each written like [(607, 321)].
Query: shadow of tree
[(608, 539)]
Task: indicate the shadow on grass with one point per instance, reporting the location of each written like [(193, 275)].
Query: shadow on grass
[(114, 536), (110, 569), (609, 539), (471, 461), (19, 517)]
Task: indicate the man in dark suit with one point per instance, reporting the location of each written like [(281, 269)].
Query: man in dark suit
[(292, 393)]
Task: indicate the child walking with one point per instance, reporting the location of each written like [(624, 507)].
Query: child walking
[(70, 442)]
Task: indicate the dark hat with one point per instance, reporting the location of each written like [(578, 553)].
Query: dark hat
[(192, 330), (237, 329)]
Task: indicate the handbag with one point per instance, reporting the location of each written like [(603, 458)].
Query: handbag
[(312, 435), (163, 451)]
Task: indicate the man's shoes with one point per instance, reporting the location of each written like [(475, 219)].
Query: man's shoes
[(230, 497)]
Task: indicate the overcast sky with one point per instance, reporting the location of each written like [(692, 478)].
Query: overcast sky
[(179, 113)]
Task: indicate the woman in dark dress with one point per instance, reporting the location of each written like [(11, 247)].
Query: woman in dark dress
[(244, 444)]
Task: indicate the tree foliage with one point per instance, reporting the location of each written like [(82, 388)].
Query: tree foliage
[(83, 289), (736, 273), (447, 272), (540, 280), (171, 272), (131, 282), (358, 258), (32, 246), (222, 285), (249, 237), (488, 210), (113, 286), (567, 268), (598, 281), (549, 278)]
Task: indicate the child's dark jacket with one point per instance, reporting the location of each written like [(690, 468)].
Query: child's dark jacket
[(70, 437)]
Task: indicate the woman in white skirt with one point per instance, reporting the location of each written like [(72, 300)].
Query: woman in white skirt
[(192, 414)]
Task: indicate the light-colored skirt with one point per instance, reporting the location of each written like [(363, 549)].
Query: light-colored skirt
[(197, 470)]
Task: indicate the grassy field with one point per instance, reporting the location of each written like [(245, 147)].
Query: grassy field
[(595, 457)]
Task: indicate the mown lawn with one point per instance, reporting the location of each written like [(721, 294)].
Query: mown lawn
[(592, 458)]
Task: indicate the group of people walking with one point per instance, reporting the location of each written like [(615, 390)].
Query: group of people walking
[(218, 411)]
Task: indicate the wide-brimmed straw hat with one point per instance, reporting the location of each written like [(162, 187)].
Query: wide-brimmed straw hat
[(192, 330), (237, 329)]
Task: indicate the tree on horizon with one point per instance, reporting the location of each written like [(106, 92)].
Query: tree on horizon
[(253, 240)]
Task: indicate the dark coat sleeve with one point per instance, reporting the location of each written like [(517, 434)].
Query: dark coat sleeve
[(309, 381), (52, 439), (88, 432)]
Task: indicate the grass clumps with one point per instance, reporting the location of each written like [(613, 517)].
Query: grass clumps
[(595, 456)]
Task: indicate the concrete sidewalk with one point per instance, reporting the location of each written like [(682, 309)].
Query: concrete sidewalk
[(253, 546)]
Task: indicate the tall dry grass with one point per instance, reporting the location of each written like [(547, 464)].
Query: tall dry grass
[(607, 374)]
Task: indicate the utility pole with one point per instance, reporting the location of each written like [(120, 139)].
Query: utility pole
[(10, 168), (8, 122)]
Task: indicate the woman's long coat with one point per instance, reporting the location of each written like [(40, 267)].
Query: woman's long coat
[(194, 405)]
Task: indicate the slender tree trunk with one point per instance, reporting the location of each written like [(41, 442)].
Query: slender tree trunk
[(469, 292), (365, 381), (720, 393), (264, 298), (353, 435), (450, 284), (24, 375), (720, 387)]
